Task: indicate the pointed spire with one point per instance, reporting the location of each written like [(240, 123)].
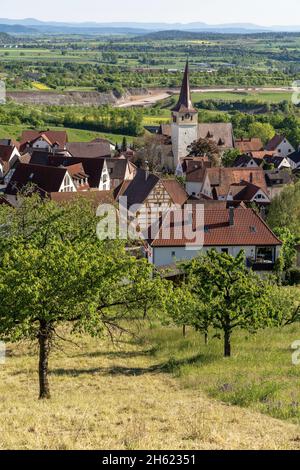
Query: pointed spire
[(185, 103)]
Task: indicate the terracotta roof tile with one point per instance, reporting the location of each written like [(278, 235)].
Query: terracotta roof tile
[(248, 229)]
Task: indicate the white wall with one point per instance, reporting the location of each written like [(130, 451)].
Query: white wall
[(193, 189), (41, 144), (184, 132), (105, 181), (163, 256), (284, 149)]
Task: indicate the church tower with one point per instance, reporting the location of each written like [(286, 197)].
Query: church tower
[(184, 121)]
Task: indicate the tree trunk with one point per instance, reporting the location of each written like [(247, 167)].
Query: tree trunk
[(44, 337), (206, 338), (184, 331), (227, 345)]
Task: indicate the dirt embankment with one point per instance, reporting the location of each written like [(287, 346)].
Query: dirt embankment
[(74, 98)]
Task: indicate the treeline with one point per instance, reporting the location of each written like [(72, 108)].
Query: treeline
[(102, 119), (247, 106), (243, 124), (104, 78)]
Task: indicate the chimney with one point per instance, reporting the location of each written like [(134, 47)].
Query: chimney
[(231, 216)]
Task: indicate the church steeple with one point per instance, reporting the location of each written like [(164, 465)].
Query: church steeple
[(185, 104)]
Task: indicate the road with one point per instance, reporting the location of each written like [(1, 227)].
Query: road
[(158, 95)]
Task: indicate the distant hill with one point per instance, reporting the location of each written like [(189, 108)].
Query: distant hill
[(16, 29), (33, 26), (6, 39)]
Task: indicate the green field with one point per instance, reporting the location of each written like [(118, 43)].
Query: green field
[(262, 96), (259, 376), (75, 135)]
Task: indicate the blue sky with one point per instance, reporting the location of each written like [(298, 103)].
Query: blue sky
[(264, 12)]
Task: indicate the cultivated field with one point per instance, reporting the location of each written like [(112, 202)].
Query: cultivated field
[(155, 393)]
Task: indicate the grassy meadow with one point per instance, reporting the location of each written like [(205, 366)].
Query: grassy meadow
[(75, 135), (160, 391)]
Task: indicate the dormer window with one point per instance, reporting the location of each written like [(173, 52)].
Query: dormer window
[(187, 116)]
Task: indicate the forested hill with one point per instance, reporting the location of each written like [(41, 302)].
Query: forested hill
[(6, 39), (177, 35)]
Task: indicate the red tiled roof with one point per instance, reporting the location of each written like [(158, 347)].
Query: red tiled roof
[(89, 149), (223, 178), (59, 137), (249, 145), (263, 153), (176, 191), (274, 142), (195, 169), (248, 229)]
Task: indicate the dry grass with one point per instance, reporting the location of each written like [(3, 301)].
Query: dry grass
[(121, 398)]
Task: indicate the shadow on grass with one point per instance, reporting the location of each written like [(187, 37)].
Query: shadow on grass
[(119, 354), (166, 367)]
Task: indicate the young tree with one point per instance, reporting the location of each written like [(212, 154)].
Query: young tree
[(229, 157), (226, 296), (54, 271), (205, 147), (284, 211), (264, 131)]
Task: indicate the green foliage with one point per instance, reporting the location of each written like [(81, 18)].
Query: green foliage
[(293, 276), (288, 250), (284, 211), (103, 118), (55, 271), (220, 292), (229, 156), (264, 131)]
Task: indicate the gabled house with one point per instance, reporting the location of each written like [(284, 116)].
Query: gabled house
[(9, 155), (120, 169), (247, 161), (45, 140), (280, 146), (277, 162), (79, 177), (237, 184), (277, 180), (95, 168), (194, 170), (225, 230), (148, 197), (46, 179), (294, 160)]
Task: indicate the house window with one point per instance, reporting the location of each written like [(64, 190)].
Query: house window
[(224, 250), (104, 187), (104, 178), (173, 254), (265, 254)]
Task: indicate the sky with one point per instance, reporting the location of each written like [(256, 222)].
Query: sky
[(261, 12)]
